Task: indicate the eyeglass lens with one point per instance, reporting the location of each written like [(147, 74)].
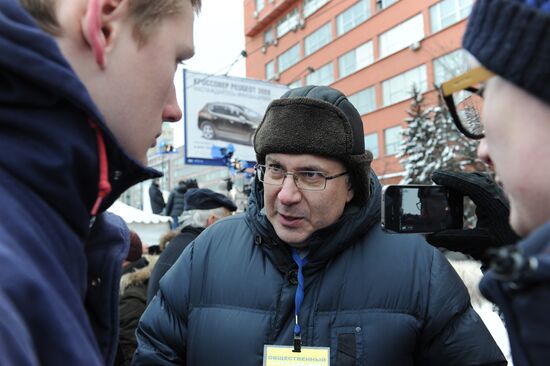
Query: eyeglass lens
[(307, 180), (469, 108)]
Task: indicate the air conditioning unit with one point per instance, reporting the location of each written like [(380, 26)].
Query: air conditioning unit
[(255, 14), (264, 48), (275, 42), (301, 23), (415, 46), (276, 77)]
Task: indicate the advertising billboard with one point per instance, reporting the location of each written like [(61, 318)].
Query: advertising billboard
[(222, 114)]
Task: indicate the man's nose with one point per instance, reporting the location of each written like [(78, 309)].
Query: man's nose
[(289, 193), (171, 111), (483, 152)]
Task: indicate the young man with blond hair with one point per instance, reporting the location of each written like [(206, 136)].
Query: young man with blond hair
[(84, 88)]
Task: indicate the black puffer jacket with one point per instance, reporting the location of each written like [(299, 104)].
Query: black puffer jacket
[(176, 203), (156, 198), (373, 298)]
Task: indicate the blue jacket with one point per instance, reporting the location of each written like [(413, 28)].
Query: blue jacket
[(525, 302), (373, 298), (58, 278)]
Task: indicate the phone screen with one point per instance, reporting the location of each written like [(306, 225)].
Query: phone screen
[(421, 209)]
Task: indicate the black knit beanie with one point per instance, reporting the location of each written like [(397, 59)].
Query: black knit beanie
[(512, 39), (317, 120)]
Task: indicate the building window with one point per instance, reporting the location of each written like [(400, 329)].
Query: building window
[(270, 70), (402, 35), (355, 59), (352, 17), (268, 36), (322, 76), (400, 87), (371, 144), (289, 22), (383, 4), (259, 5), (451, 65), (311, 6), (289, 57), (448, 12), (317, 39), (364, 101), (295, 84), (392, 140)]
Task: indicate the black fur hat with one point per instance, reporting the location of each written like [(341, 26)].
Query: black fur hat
[(317, 120)]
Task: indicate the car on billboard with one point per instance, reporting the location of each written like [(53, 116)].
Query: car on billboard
[(228, 122)]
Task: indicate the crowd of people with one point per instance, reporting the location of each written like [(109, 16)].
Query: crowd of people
[(306, 268)]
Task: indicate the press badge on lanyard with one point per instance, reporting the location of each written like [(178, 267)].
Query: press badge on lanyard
[(297, 355), (285, 356)]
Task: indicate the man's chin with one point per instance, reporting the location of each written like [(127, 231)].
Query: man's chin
[(518, 223), (142, 159), (293, 239)]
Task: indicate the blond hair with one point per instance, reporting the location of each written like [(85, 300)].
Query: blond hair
[(145, 14)]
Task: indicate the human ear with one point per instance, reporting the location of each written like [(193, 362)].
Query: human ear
[(211, 219), (350, 195), (351, 192), (97, 26)]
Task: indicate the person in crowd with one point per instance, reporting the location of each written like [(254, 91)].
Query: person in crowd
[(156, 197), (191, 183), (203, 207), (176, 200), (510, 40), (83, 94), (135, 251), (165, 239), (307, 265), (175, 204), (133, 297)]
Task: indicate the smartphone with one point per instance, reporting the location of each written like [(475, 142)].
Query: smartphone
[(421, 208)]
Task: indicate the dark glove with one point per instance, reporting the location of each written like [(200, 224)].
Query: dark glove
[(492, 211)]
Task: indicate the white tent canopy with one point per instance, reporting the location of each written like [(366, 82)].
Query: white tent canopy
[(148, 226)]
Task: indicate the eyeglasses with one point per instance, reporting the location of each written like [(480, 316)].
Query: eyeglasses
[(464, 98), (307, 180)]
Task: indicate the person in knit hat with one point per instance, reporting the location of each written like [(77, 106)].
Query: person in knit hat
[(136, 248), (510, 40), (307, 264)]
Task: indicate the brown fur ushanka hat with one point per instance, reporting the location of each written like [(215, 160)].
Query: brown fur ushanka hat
[(317, 120)]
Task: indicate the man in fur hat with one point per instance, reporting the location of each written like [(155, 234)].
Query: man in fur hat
[(307, 265)]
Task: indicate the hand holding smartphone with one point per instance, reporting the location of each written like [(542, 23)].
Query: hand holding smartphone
[(421, 208)]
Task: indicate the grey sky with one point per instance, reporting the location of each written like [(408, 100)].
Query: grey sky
[(219, 39)]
